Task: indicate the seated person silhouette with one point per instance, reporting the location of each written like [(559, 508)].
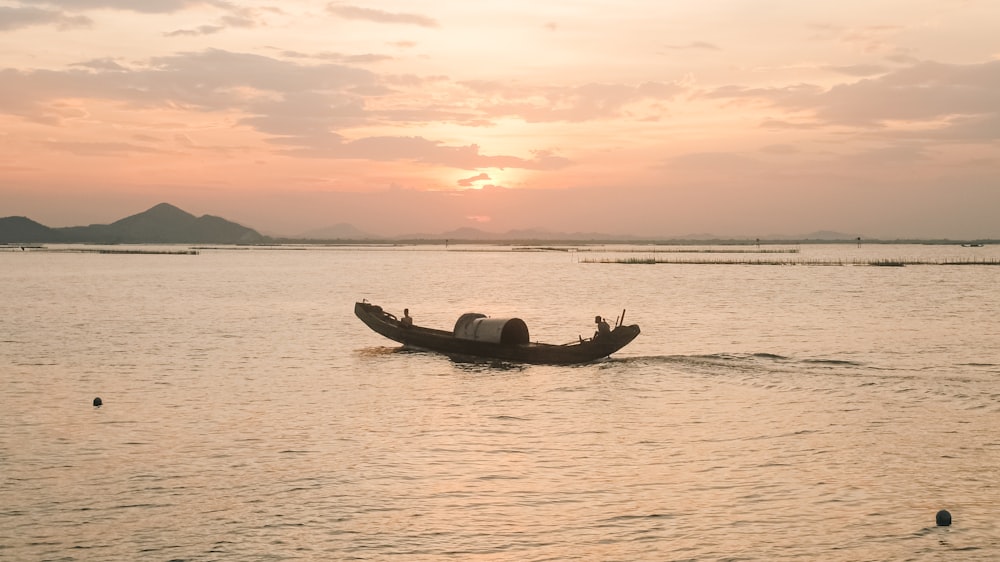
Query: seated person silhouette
[(603, 330)]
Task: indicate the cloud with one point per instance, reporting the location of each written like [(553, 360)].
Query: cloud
[(105, 64), (777, 95), (715, 162), (921, 92), (379, 16), (143, 6), (303, 108), (788, 125), (868, 39), (33, 96), (200, 30), (304, 117), (780, 149), (55, 13), (982, 128), (367, 58), (98, 148), (210, 77), (416, 149), (241, 18), (235, 17), (19, 18), (211, 80), (469, 182), (963, 97), (900, 153), (858, 69), (694, 45), (588, 102)]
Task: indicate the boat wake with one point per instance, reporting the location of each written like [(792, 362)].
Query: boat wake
[(723, 362), (738, 360), (378, 351), (755, 368)]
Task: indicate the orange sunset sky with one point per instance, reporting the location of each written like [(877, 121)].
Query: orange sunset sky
[(879, 118)]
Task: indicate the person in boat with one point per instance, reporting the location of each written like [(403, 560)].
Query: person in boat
[(603, 330), (406, 321)]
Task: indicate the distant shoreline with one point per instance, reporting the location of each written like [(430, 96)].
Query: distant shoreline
[(167, 224), (527, 244), (619, 241)]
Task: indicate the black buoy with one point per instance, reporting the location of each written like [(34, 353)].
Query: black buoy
[(98, 402), (943, 518)]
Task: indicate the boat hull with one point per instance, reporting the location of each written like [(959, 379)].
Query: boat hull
[(445, 342)]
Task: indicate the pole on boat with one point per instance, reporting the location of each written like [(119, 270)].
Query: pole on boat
[(621, 319)]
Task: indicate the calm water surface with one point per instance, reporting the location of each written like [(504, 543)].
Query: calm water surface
[(766, 412)]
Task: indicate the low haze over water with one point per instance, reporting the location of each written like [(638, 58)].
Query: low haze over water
[(766, 412)]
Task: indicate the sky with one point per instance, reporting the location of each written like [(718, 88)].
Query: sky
[(658, 118)]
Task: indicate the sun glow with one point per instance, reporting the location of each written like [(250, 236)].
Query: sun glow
[(487, 178)]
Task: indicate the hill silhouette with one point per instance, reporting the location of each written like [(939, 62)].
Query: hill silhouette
[(162, 224), (15, 230)]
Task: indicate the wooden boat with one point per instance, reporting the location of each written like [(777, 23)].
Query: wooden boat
[(506, 339)]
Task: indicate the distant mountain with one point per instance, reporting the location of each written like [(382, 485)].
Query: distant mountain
[(162, 224), (828, 235), (476, 235), (342, 231), (469, 233), (16, 230), (819, 235), (166, 224)]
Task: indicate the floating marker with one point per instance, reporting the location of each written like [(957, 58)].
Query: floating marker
[(943, 518), (98, 402)]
